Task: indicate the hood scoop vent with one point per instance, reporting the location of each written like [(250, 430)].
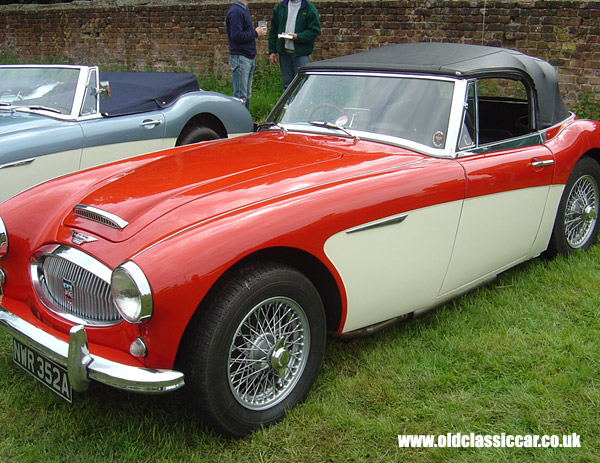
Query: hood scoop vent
[(100, 216)]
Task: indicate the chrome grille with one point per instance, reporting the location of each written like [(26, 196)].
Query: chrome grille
[(75, 286)]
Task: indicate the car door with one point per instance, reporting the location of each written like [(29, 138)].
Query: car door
[(107, 139), (110, 138), (508, 174)]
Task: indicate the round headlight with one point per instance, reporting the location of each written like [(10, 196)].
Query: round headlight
[(131, 292), (3, 240)]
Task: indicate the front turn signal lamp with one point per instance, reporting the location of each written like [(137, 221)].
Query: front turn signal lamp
[(131, 292), (3, 239)]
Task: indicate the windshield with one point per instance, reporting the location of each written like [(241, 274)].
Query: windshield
[(43, 88), (412, 108)]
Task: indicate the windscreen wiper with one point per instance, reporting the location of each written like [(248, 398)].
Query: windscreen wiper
[(41, 108), (330, 125), (272, 124)]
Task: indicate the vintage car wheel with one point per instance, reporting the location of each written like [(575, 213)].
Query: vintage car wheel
[(198, 134), (576, 225), (255, 350)]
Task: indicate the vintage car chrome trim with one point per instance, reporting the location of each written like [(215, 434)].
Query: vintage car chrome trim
[(379, 223), (20, 162), (100, 216), (82, 366), (549, 162), (151, 123), (371, 136), (544, 132), (134, 275), (83, 263), (3, 239), (399, 74), (529, 139)]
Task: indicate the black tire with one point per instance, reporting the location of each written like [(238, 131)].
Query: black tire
[(576, 224), (240, 379), (196, 135)]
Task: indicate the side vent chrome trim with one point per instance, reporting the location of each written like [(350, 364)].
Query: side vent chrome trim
[(100, 216), (379, 223)]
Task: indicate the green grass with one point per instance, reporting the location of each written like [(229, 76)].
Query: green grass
[(519, 356)]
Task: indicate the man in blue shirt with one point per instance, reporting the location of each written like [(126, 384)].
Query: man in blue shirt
[(241, 36)]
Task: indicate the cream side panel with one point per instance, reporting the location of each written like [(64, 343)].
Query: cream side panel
[(496, 231), (97, 155), (394, 269), (543, 237), (18, 178)]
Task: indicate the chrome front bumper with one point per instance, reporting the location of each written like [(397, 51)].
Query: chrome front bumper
[(82, 367)]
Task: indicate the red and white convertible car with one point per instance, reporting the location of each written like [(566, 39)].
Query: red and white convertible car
[(384, 184)]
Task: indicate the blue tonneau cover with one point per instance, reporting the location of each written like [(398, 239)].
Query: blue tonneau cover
[(138, 92)]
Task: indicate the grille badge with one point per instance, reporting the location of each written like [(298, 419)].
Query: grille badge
[(69, 292)]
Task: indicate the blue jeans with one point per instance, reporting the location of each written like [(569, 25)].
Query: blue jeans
[(289, 64), (242, 69)]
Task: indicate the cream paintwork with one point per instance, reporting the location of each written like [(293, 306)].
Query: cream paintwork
[(383, 268), (17, 178), (543, 237), (97, 155), (495, 231), (425, 260)]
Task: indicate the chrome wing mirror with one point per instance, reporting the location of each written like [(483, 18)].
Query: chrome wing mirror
[(104, 88)]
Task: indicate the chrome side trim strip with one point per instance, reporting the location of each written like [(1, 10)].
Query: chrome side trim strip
[(21, 162), (100, 216), (378, 223), (82, 366)]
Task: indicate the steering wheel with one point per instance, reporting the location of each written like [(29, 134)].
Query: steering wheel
[(324, 105)]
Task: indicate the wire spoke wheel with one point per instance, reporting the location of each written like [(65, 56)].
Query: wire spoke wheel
[(254, 347), (268, 353), (581, 211), (576, 225)]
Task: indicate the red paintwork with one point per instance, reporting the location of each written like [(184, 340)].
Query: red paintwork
[(196, 211)]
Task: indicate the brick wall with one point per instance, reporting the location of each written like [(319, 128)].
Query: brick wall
[(190, 34)]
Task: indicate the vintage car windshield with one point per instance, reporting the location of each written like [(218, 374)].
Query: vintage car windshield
[(412, 108), (43, 88)]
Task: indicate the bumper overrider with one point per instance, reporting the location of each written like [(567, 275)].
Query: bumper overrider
[(83, 367)]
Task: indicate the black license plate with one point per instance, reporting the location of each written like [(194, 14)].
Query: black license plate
[(46, 371)]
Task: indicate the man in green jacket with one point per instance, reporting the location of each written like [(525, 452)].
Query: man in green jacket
[(294, 28)]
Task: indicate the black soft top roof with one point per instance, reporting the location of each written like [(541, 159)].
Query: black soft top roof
[(136, 92), (462, 61)]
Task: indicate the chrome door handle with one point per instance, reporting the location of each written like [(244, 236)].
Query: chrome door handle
[(549, 162), (151, 123), (23, 162)]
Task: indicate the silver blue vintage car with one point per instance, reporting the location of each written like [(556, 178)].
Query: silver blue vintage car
[(56, 119)]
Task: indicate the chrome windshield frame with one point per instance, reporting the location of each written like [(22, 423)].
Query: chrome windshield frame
[(84, 73), (448, 151)]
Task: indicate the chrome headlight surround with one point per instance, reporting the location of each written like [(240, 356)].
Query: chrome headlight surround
[(131, 292), (3, 240)]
